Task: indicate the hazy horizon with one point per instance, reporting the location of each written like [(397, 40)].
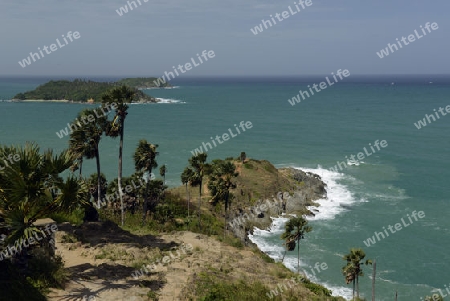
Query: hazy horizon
[(154, 36)]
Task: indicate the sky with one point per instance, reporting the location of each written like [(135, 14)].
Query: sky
[(147, 41)]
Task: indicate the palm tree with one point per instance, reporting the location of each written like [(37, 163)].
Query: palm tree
[(79, 146), (120, 96), (186, 177), (145, 161), (33, 188), (198, 166), (154, 192), (89, 141), (91, 213), (162, 172), (349, 273), (295, 230), (353, 270), (221, 182)]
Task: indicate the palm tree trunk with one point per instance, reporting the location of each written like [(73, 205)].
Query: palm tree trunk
[(188, 201), (357, 286), (226, 210), (99, 184), (119, 178), (144, 214), (298, 256), (199, 203), (353, 290)]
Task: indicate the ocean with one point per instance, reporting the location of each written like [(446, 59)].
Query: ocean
[(409, 175)]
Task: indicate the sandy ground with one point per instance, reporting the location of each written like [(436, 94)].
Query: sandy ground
[(94, 277), (104, 261)]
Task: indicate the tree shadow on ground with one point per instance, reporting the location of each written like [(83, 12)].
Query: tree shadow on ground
[(102, 233), (104, 277)]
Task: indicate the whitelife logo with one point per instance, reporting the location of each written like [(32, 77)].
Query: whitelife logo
[(53, 47), (280, 17), (71, 127), (124, 9), (204, 147), (322, 85), (411, 38), (398, 226), (360, 155), (423, 122), (166, 77), (11, 158)]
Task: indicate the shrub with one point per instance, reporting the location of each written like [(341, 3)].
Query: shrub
[(248, 165), (46, 271)]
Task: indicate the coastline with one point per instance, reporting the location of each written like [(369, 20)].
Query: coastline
[(45, 100), (308, 189), (157, 100), (323, 209)]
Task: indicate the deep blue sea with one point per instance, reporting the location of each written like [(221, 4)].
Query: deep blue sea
[(410, 174)]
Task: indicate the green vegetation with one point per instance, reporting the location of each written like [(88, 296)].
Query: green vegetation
[(295, 230), (15, 286), (212, 288), (353, 270), (143, 82), (33, 188), (78, 90), (46, 272), (120, 97), (74, 217), (219, 285), (37, 186)]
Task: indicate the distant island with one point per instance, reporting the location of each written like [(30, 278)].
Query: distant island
[(87, 91)]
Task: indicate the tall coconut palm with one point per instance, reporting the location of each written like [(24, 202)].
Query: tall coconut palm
[(93, 126), (120, 97), (91, 213), (198, 166), (353, 270), (162, 172), (144, 161), (33, 187), (79, 146), (295, 230), (186, 177), (221, 182), (349, 273)]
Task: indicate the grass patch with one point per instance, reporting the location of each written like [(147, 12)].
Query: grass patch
[(248, 165), (68, 238), (74, 218), (113, 253), (231, 241), (210, 287)]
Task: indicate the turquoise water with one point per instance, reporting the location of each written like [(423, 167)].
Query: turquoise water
[(411, 173)]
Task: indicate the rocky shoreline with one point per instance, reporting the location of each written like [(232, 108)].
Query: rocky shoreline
[(242, 220)]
